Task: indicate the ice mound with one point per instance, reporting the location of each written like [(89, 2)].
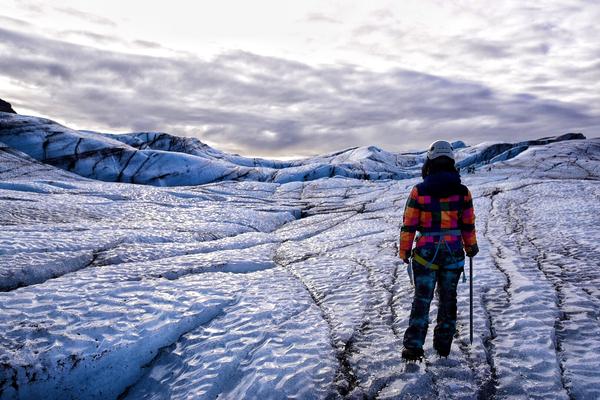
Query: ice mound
[(568, 160), (161, 159)]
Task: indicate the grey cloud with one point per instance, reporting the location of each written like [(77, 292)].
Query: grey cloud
[(234, 98), (35, 68), (589, 70), (486, 48), (33, 7), (97, 37), (541, 49), (88, 17), (321, 18), (14, 21), (104, 39), (509, 38), (382, 14), (147, 44)]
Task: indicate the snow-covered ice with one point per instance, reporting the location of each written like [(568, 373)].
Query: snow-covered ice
[(292, 289), (160, 159)]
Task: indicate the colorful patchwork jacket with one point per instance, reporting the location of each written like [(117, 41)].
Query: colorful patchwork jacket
[(440, 204)]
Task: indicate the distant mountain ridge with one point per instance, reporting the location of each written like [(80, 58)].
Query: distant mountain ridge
[(161, 159)]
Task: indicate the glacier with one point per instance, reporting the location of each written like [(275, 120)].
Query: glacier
[(160, 159), (145, 265)]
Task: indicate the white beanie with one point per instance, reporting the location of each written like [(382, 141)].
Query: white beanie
[(440, 148)]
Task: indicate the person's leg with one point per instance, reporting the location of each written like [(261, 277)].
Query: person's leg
[(414, 337), (446, 317)]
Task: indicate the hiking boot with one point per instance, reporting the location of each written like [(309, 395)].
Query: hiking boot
[(443, 351), (412, 354)]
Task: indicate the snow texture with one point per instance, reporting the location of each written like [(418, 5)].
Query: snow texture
[(249, 289)]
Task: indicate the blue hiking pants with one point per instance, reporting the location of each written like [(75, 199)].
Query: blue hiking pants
[(425, 283)]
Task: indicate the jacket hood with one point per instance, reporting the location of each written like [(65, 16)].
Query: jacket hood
[(442, 184)]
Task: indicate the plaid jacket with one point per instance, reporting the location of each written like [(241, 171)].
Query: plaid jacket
[(427, 211)]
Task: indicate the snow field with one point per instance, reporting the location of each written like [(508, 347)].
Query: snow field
[(569, 261), (272, 342), (525, 344), (89, 340)]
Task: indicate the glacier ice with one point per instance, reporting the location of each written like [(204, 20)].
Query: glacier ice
[(284, 288)]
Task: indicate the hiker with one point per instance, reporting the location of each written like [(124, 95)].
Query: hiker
[(439, 211)]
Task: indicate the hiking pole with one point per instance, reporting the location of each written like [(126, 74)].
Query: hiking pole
[(410, 274), (471, 299)]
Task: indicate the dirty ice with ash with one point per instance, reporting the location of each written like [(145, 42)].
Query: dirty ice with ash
[(151, 266)]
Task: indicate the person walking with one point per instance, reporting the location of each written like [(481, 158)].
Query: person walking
[(439, 212)]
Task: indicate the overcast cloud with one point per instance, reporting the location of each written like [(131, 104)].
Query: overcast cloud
[(531, 75)]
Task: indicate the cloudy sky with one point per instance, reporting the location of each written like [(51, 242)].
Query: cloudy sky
[(283, 78)]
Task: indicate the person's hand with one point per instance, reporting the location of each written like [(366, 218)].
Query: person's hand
[(472, 251), (406, 260)]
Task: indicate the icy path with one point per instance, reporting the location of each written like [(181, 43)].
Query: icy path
[(260, 290)]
